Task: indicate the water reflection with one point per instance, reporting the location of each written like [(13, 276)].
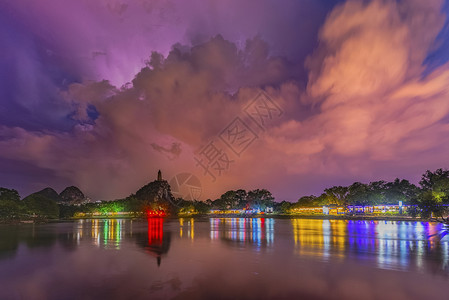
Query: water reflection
[(187, 228), (112, 233), (235, 258), (34, 237), (319, 238), (157, 241), (255, 231), (384, 244), (391, 244), (103, 233)]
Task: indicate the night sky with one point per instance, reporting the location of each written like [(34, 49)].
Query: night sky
[(102, 94)]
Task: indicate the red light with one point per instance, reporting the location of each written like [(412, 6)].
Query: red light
[(155, 231), (155, 213)]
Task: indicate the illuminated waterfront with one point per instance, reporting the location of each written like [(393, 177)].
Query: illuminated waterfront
[(197, 258), (388, 244)]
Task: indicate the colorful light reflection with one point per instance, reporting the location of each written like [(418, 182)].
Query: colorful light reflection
[(392, 244), (104, 233), (256, 231)]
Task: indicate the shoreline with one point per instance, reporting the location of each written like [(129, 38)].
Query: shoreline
[(208, 216), (325, 217)]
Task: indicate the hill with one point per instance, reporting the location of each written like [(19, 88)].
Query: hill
[(49, 193), (72, 195)]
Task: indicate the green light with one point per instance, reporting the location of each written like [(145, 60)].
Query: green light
[(118, 233), (105, 232)]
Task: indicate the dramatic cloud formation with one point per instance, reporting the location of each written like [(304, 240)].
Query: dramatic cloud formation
[(176, 100), (376, 111), (369, 109)]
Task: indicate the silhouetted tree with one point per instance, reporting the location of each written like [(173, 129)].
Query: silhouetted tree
[(10, 204), (41, 206), (337, 195), (434, 194), (400, 190), (260, 199), (283, 207), (306, 201)]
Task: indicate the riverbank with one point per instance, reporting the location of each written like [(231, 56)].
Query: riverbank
[(27, 221), (228, 216), (280, 216), (327, 217)]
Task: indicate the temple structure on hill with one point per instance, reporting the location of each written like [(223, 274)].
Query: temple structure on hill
[(159, 175)]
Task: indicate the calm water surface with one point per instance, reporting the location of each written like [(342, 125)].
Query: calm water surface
[(260, 258)]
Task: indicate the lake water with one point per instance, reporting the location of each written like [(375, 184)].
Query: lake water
[(224, 258)]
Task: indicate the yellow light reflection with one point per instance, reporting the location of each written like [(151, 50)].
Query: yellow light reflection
[(320, 237), (188, 226)]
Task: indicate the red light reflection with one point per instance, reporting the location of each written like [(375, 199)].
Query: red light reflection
[(155, 231)]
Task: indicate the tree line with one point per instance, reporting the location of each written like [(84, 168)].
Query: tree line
[(33, 206), (257, 200), (429, 198)]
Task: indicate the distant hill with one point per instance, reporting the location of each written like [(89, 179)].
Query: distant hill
[(42, 204), (72, 195), (49, 193), (157, 191)]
